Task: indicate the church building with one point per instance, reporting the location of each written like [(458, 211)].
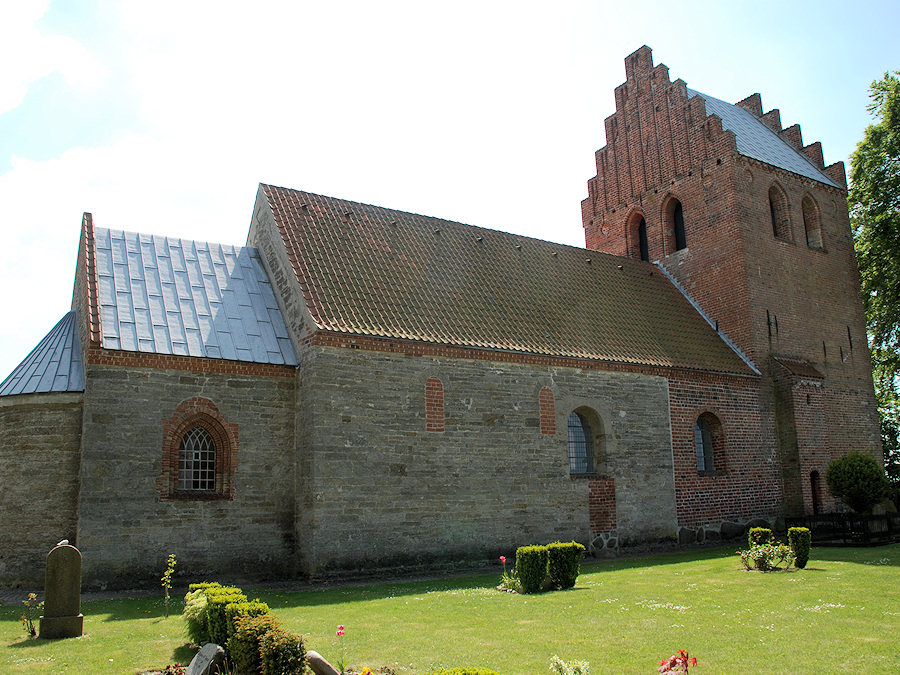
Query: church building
[(360, 387)]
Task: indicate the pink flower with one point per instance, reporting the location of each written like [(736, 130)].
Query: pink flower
[(340, 631), (503, 559)]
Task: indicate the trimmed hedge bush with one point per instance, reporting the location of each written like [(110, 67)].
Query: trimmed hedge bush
[(217, 599), (562, 563), (281, 652), (531, 567), (240, 609), (758, 535), (243, 646), (800, 540), (194, 612)]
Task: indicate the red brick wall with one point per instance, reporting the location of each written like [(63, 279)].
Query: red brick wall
[(434, 404), (602, 501), (548, 411), (769, 295)]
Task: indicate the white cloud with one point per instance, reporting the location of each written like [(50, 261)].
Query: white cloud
[(28, 55)]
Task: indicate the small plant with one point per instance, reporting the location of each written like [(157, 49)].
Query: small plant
[(340, 639), (167, 579), (243, 645), (194, 615), (32, 612), (282, 652), (759, 535), (557, 665), (174, 669), (509, 582), (766, 558), (679, 662), (799, 539)]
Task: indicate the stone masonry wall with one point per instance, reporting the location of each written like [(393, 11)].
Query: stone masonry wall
[(126, 530), (380, 488), (40, 439)]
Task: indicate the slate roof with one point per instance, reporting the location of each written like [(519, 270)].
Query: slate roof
[(53, 366), (188, 298), (755, 139), (367, 270)]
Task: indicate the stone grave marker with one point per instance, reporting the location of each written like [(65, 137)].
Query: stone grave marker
[(62, 594)]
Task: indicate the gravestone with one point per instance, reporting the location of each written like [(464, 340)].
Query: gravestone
[(62, 594), (210, 657)]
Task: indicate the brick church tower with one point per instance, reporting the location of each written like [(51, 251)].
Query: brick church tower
[(754, 228)]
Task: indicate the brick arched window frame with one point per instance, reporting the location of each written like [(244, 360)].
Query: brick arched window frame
[(709, 444), (196, 425), (637, 232), (779, 212), (548, 411), (812, 222), (673, 222), (434, 404)]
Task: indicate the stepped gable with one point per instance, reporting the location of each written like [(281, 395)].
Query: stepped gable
[(179, 297), (53, 366), (372, 271)]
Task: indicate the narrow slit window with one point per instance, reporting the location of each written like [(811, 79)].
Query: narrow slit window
[(642, 241), (581, 445)]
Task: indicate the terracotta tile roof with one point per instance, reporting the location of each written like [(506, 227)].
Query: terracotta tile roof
[(368, 270), (53, 366)]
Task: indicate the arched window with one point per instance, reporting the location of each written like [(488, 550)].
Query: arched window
[(709, 444), (779, 212), (643, 245), (678, 222), (673, 219), (581, 444), (815, 486), (812, 223), (200, 453), (197, 461)]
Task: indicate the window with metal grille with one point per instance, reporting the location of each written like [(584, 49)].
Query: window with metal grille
[(703, 440), (197, 461), (581, 445)]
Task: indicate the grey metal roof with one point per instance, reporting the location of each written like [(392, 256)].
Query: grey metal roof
[(755, 139), (187, 298), (53, 366)]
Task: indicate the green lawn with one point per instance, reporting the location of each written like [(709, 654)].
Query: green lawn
[(840, 614)]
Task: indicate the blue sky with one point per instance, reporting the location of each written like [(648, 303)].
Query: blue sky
[(163, 117)]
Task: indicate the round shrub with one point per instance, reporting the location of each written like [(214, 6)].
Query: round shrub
[(562, 563), (531, 567), (799, 539), (281, 653), (239, 609), (243, 646), (858, 480)]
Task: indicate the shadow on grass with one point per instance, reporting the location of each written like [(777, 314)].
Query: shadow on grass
[(184, 653), (31, 642)]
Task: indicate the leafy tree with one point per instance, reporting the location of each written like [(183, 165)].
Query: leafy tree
[(874, 201), (857, 480)]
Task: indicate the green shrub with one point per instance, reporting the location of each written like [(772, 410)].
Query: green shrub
[(243, 646), (282, 652), (239, 609), (462, 671), (217, 599), (194, 614), (562, 563), (204, 585), (531, 567), (858, 480), (799, 539), (758, 535)]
